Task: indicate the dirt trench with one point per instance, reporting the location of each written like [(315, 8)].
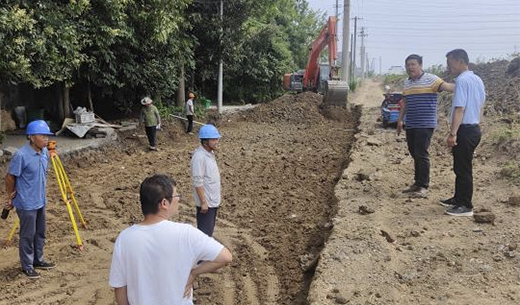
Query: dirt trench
[(279, 163)]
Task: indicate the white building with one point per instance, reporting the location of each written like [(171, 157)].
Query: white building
[(398, 70)]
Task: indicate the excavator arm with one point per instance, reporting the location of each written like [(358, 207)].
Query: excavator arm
[(335, 91), (326, 38)]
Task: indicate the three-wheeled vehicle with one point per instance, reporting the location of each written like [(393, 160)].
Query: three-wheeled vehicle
[(390, 108)]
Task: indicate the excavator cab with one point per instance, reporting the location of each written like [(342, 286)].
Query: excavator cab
[(293, 82)]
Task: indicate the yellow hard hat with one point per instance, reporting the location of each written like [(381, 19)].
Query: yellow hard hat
[(191, 95)]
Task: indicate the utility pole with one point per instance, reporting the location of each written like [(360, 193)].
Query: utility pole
[(367, 62), (351, 61), (379, 65), (346, 32), (220, 64), (370, 66), (362, 34), (337, 7), (354, 51)]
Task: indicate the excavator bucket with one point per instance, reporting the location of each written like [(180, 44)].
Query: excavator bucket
[(335, 93)]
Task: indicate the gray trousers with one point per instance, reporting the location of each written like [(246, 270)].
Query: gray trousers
[(32, 237)]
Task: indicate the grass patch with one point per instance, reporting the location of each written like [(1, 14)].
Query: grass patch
[(166, 109), (511, 171), (505, 134)]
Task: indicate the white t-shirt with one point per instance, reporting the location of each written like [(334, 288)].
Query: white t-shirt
[(189, 106), (205, 173), (155, 261)]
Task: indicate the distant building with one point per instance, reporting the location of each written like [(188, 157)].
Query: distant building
[(398, 70)]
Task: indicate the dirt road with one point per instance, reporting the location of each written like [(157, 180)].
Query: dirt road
[(386, 248), (279, 164)]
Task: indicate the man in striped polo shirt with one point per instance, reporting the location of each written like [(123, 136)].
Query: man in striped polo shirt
[(420, 106)]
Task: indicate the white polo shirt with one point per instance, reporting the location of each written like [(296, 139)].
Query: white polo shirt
[(205, 173)]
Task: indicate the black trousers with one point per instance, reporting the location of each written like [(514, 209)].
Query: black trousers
[(206, 222), (418, 140), (468, 138), (150, 133), (190, 123)]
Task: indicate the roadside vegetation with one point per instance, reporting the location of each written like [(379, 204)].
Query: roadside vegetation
[(118, 51)]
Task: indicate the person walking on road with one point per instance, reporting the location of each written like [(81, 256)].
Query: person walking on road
[(465, 134), (190, 112), (151, 119), (155, 261), (26, 183), (420, 107), (206, 179)]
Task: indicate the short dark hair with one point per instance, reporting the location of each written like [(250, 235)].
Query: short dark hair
[(153, 190), (412, 57), (458, 54)]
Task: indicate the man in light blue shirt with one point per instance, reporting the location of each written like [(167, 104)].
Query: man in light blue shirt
[(25, 184), (465, 133)]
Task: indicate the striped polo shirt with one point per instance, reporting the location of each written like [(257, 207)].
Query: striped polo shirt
[(421, 101)]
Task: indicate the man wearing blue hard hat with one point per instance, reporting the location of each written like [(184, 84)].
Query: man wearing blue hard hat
[(206, 179), (26, 184)]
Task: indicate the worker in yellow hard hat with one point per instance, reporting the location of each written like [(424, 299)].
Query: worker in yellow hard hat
[(190, 112)]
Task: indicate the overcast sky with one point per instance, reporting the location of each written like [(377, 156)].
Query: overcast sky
[(485, 29)]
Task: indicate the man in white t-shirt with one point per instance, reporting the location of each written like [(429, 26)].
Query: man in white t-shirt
[(155, 261)]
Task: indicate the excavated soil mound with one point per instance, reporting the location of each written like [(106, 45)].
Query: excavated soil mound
[(502, 82), (279, 165), (292, 108)]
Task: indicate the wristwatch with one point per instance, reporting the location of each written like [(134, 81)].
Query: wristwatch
[(452, 135)]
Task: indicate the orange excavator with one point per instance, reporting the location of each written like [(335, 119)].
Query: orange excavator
[(322, 78)]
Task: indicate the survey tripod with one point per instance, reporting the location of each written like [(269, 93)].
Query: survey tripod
[(67, 195)]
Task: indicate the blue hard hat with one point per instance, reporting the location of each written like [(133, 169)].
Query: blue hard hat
[(38, 127), (209, 131)]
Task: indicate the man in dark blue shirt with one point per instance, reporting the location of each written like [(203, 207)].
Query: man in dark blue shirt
[(25, 184)]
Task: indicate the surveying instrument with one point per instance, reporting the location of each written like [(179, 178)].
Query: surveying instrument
[(67, 195)]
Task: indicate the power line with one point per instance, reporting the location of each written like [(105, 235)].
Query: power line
[(428, 5), (516, 21), (450, 16), (453, 35), (448, 29), (407, 48)]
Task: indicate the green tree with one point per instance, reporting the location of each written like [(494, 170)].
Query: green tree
[(262, 41), (137, 47), (41, 43)]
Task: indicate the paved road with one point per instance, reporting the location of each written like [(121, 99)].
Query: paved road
[(64, 145)]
